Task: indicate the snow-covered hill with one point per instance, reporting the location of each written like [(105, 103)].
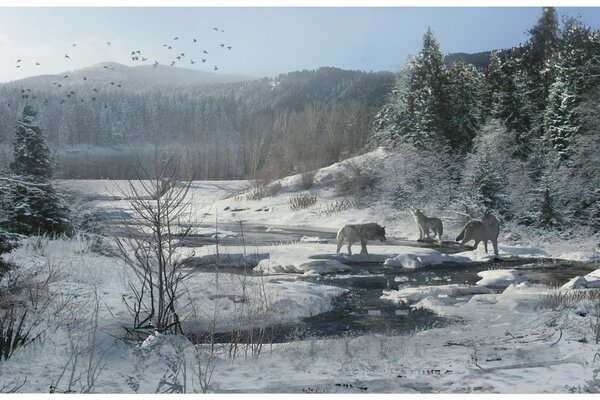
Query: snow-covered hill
[(137, 76)]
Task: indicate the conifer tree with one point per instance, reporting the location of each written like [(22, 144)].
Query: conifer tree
[(465, 92), (31, 155), (31, 203)]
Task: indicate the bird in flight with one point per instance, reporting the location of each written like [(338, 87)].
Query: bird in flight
[(108, 43), (105, 67), (178, 57), (67, 56), (194, 40), (216, 68), (37, 63), (193, 62), (216, 29), (95, 90), (204, 60), (66, 76), (84, 78), (182, 54), (18, 66), (205, 52), (172, 63), (112, 83), (175, 38), (155, 63), (74, 44), (144, 58), (169, 47), (229, 47), (19, 60), (222, 45)]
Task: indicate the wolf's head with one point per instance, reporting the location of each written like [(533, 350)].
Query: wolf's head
[(415, 211), (380, 233)]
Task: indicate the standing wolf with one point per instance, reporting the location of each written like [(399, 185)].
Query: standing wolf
[(360, 232), (486, 229), (425, 224)]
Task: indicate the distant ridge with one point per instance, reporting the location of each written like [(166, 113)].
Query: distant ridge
[(142, 75), (480, 60)]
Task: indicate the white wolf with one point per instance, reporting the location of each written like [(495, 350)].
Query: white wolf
[(425, 224), (359, 232), (486, 229)]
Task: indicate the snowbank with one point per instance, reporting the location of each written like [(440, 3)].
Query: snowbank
[(314, 267), (591, 280), (418, 257), (500, 277), (415, 294)]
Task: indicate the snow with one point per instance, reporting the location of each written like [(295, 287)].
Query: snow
[(416, 294), (413, 258), (591, 280), (497, 336), (500, 277)]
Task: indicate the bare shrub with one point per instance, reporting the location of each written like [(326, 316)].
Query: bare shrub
[(13, 333), (567, 298), (260, 191), (302, 201), (307, 179), (355, 177), (151, 250), (338, 206)]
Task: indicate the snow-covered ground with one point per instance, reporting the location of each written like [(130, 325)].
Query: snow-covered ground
[(507, 336)]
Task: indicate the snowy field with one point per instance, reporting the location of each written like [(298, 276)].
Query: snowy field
[(508, 335)]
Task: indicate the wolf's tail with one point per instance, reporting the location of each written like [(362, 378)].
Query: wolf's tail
[(461, 235)]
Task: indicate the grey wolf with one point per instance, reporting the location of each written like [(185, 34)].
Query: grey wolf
[(425, 224), (486, 229), (359, 233)]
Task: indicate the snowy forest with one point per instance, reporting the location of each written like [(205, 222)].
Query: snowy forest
[(168, 230)]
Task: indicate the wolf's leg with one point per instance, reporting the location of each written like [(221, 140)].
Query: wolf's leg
[(363, 244), (340, 243), (462, 244), (495, 244), (485, 245), (420, 233), (476, 243), (349, 245)]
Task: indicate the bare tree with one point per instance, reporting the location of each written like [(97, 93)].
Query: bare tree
[(159, 203)]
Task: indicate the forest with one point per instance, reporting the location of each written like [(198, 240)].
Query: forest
[(517, 138)]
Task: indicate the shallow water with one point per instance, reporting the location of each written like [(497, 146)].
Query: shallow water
[(361, 311)]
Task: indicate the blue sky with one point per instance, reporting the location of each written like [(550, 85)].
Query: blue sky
[(264, 41)]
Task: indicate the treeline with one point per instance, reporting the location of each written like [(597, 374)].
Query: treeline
[(519, 139), (248, 129)]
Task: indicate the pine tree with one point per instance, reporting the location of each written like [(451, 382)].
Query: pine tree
[(418, 109), (540, 52), (465, 91), (31, 203), (30, 152), (577, 72), (486, 172)]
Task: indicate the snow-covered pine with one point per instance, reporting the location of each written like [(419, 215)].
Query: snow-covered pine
[(30, 203), (31, 155)]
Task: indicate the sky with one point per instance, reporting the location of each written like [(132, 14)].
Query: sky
[(265, 41)]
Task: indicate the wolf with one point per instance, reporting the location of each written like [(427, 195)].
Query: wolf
[(359, 232), (486, 229), (425, 224)]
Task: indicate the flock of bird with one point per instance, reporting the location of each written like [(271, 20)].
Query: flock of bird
[(136, 55)]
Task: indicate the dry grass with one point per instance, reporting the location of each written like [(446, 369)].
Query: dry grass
[(302, 201), (338, 206)]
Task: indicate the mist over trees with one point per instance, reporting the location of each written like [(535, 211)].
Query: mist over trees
[(518, 137), (278, 126)]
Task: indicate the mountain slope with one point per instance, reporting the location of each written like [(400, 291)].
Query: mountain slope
[(138, 76)]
